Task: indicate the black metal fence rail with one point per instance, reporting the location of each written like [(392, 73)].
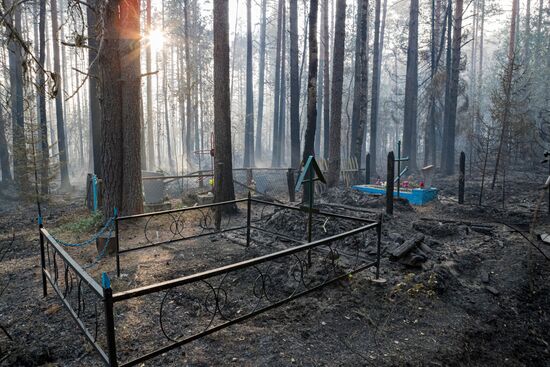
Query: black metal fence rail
[(212, 289), (176, 226), (80, 294), (215, 299)]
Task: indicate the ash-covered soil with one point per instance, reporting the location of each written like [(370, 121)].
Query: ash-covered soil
[(464, 287)]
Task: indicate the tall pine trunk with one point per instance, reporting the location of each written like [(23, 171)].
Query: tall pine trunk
[(61, 137), (261, 82), (223, 166), (429, 133), (411, 89), (277, 90), (282, 97), (360, 90), (249, 123), (94, 112), (41, 84), (326, 77), (4, 154), (188, 77), (309, 139), (507, 88), (376, 66), (294, 88), (165, 100), (449, 131), (149, 92), (130, 72), (333, 175), (19, 145), (111, 110)]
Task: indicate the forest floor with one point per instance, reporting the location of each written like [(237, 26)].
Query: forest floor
[(474, 292)]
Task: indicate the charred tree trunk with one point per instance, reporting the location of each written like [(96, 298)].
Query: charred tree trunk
[(376, 64), (130, 72), (261, 81), (326, 78), (61, 138), (4, 154), (120, 81), (450, 121), (149, 92), (165, 100), (359, 114), (507, 88), (309, 139), (188, 103), (249, 124), (19, 145), (93, 104), (111, 110), (41, 84), (333, 175), (282, 98), (411, 89), (277, 90), (429, 134), (294, 88), (223, 166)]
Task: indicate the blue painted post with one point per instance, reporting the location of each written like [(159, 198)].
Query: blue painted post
[(94, 190)]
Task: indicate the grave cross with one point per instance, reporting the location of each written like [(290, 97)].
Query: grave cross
[(399, 160), (313, 173)]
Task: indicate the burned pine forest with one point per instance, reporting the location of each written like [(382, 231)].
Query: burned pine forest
[(274, 182)]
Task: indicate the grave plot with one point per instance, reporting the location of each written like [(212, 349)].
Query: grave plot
[(182, 274)]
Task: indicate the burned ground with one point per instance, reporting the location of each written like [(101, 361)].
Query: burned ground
[(467, 290)]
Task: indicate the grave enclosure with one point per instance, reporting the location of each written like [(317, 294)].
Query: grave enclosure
[(264, 268)]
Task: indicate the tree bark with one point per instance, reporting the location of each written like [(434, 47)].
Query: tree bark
[(249, 123), (149, 92), (131, 107), (111, 110), (309, 139), (188, 103), (41, 84), (294, 88), (450, 120), (379, 30), (19, 145), (4, 154), (507, 87), (411, 89), (261, 81), (277, 90), (326, 78), (333, 175), (282, 97), (223, 166), (429, 134), (360, 90), (61, 138)]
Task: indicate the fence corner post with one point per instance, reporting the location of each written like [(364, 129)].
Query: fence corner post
[(290, 183), (367, 169), (389, 184), (378, 245), (110, 324), (117, 244), (248, 214), (42, 258), (461, 178)]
